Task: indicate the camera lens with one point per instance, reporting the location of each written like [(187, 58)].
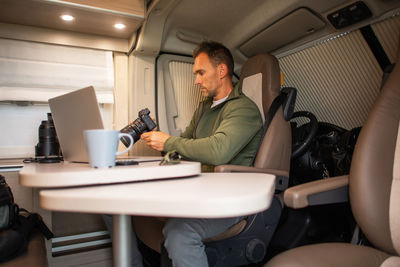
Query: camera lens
[(135, 130), (48, 143), (142, 124)]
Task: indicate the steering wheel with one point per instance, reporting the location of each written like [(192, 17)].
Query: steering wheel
[(301, 146)]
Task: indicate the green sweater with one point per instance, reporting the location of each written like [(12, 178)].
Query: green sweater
[(228, 133)]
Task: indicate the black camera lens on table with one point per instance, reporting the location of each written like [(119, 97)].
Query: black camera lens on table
[(48, 146), (142, 124)]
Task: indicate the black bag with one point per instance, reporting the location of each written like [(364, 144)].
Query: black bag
[(8, 210), (16, 225)]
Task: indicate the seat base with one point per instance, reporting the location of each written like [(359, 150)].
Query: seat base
[(329, 255)]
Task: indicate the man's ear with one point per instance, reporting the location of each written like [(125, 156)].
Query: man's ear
[(222, 70)]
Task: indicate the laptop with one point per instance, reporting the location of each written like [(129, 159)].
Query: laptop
[(73, 113)]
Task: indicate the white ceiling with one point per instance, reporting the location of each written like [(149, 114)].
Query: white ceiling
[(89, 19), (234, 22), (178, 25)]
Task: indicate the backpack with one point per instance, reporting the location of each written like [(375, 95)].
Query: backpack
[(16, 225), (8, 210)]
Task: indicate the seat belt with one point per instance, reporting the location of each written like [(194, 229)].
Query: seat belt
[(278, 101), (386, 73)]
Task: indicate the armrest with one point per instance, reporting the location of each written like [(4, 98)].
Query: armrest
[(326, 191), (238, 168), (282, 177)]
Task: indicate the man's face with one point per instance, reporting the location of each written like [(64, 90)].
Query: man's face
[(206, 75)]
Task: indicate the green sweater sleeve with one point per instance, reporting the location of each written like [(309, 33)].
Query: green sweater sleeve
[(240, 122)]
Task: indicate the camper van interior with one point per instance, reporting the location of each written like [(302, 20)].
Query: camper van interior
[(331, 147)]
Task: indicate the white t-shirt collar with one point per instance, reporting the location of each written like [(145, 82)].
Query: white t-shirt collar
[(217, 102)]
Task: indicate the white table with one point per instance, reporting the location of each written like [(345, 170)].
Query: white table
[(65, 174), (208, 195)]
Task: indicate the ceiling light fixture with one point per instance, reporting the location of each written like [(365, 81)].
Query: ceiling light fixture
[(119, 26), (67, 17)]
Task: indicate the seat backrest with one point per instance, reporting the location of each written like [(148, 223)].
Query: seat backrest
[(371, 173), (260, 79)]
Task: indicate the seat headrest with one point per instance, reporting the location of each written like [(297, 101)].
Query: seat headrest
[(264, 68)]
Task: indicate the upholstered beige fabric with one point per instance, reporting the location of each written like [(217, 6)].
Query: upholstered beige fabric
[(394, 208), (371, 172), (232, 231), (269, 67), (276, 147), (391, 262), (252, 88), (298, 196), (237, 168), (149, 231), (329, 255)]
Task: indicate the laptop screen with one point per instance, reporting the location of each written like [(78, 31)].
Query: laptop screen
[(73, 113)]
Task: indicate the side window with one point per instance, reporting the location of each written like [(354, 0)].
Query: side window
[(177, 95)]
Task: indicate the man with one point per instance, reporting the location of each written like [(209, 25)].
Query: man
[(225, 128)]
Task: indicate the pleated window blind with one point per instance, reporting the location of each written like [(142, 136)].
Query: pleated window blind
[(339, 80), (187, 94), (31, 73), (36, 72)]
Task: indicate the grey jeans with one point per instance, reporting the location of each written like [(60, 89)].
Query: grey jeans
[(184, 239)]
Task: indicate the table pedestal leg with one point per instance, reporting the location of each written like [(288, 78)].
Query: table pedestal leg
[(122, 240)]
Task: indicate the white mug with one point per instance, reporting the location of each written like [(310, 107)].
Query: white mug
[(102, 146)]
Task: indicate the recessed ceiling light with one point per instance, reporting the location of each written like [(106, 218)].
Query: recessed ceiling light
[(67, 17), (119, 26)]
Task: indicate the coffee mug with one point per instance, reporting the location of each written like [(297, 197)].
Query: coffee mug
[(102, 146)]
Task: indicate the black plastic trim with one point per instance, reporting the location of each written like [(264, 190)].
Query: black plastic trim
[(375, 46)]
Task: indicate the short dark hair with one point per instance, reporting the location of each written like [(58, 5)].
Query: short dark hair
[(217, 53)]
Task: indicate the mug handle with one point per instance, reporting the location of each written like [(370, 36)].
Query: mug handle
[(130, 143)]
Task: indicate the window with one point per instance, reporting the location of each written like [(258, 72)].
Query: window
[(31, 73), (177, 95)]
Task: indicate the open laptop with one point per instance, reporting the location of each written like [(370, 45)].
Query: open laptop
[(73, 113)]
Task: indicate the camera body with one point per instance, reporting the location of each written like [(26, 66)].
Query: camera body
[(142, 124)]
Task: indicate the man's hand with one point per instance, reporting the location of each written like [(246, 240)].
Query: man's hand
[(155, 139)]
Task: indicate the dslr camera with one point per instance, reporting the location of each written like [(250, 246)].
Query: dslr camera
[(141, 125)]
